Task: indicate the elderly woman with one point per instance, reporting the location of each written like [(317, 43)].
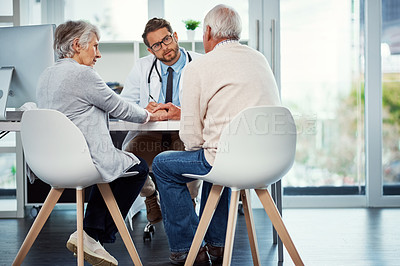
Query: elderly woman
[(74, 88)]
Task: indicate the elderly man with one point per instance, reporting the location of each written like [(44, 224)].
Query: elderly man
[(216, 87)]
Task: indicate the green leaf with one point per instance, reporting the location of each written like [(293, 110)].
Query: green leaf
[(191, 24)]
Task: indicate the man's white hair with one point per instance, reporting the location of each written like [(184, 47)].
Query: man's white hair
[(224, 22)]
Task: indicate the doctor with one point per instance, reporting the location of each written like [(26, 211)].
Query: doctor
[(156, 79)]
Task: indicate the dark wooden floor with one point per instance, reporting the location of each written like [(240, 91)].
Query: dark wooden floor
[(322, 236)]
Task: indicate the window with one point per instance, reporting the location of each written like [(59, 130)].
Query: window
[(6, 8), (322, 84), (9, 15), (119, 20), (390, 52)]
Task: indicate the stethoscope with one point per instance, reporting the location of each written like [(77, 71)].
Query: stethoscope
[(154, 66)]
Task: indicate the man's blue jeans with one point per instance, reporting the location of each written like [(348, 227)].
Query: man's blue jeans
[(98, 222), (179, 216)]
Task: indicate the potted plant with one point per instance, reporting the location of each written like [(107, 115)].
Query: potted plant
[(191, 26)]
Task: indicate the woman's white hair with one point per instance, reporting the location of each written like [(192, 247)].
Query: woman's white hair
[(67, 32), (224, 22)]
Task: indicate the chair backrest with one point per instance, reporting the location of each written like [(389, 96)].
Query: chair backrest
[(56, 150), (255, 149)]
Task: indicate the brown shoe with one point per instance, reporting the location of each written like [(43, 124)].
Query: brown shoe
[(202, 259), (216, 253), (153, 208)]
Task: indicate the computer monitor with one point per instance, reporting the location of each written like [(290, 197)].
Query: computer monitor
[(25, 52)]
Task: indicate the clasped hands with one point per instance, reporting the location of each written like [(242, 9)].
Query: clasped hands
[(163, 111)]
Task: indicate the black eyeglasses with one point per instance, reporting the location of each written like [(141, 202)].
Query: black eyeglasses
[(166, 40)]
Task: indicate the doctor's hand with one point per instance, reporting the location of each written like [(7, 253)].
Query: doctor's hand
[(173, 111), (151, 107)]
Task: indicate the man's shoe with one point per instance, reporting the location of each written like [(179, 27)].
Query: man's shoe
[(153, 208), (202, 259), (216, 253), (95, 253)]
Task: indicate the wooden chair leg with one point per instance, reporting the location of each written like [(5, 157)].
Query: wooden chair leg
[(119, 221), (47, 208), (79, 224), (230, 230), (208, 212), (251, 231), (276, 220)]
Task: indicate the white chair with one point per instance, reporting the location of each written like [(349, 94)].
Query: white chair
[(57, 152), (255, 150)]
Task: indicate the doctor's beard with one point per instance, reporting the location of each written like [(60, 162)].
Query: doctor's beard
[(172, 55)]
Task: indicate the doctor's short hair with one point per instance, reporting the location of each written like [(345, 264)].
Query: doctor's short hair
[(67, 32), (224, 22), (153, 25)]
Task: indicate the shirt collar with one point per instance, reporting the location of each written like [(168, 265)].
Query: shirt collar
[(224, 42)]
